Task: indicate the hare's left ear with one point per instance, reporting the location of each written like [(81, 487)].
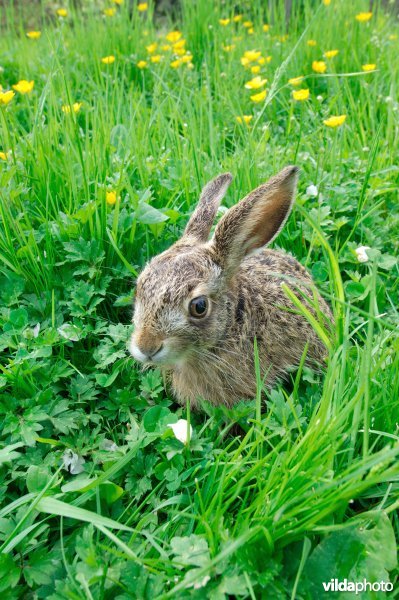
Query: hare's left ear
[(256, 220), (201, 220)]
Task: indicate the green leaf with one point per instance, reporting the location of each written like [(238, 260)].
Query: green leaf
[(356, 553), (37, 478), (8, 453), (157, 418), (190, 550), (148, 215), (62, 509), (9, 573)]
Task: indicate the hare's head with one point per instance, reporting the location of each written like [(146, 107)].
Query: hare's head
[(185, 296)]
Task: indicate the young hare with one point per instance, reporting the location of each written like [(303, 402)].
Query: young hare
[(200, 304)]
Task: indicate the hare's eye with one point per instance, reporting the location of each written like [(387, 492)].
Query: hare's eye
[(199, 307)]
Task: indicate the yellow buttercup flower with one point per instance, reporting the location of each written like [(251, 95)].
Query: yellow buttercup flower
[(265, 27), (300, 94), (108, 60), (255, 83), (264, 59), (3, 156), (187, 58), (156, 58), (369, 67), (23, 86), (331, 53), (76, 106), (335, 121), (237, 18), (62, 12), (142, 7), (179, 45), (165, 47), (176, 63), (173, 36), (251, 30), (248, 24), (363, 17), (109, 12), (151, 48), (224, 22), (326, 2), (111, 198), (255, 69), (6, 97), (259, 97), (118, 2), (319, 66), (142, 64), (244, 119), (229, 48), (311, 43), (33, 35), (250, 56), (296, 80)]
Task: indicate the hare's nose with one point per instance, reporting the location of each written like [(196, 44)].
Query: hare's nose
[(153, 351), (145, 346)]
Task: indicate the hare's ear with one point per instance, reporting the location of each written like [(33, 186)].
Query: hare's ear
[(255, 220), (202, 218)]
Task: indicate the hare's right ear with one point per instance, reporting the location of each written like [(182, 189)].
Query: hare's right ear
[(202, 218)]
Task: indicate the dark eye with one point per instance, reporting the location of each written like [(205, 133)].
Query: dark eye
[(199, 307)]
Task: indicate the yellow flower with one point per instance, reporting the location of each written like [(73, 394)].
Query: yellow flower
[(118, 2), (255, 69), (300, 94), (224, 22), (331, 53), (244, 119), (23, 86), (335, 121), (393, 36), (259, 97), (110, 198), (255, 83), (229, 48), (142, 64), (265, 27), (311, 43), (264, 59), (6, 97), (33, 35), (326, 2), (176, 63), (3, 156), (76, 106), (108, 60), (109, 12), (165, 47), (173, 36), (237, 18), (156, 58), (179, 45), (296, 80), (250, 56), (151, 48), (319, 66), (62, 12), (142, 7), (187, 58), (369, 67), (179, 51), (363, 17), (248, 24)]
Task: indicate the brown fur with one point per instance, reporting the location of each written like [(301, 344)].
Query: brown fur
[(213, 358)]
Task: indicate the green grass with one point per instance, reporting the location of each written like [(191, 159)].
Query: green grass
[(309, 491)]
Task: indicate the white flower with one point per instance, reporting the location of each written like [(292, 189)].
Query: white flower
[(72, 462), (362, 254), (312, 191), (36, 330), (180, 430), (319, 98)]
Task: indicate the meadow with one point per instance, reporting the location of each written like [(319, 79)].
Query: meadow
[(111, 121)]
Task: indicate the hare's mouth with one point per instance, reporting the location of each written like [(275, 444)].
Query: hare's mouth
[(163, 355)]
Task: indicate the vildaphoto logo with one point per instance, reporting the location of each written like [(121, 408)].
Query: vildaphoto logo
[(335, 585)]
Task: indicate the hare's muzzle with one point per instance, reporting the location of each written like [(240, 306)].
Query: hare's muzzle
[(146, 346)]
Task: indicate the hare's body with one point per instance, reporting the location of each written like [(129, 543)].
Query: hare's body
[(200, 304), (257, 306)]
